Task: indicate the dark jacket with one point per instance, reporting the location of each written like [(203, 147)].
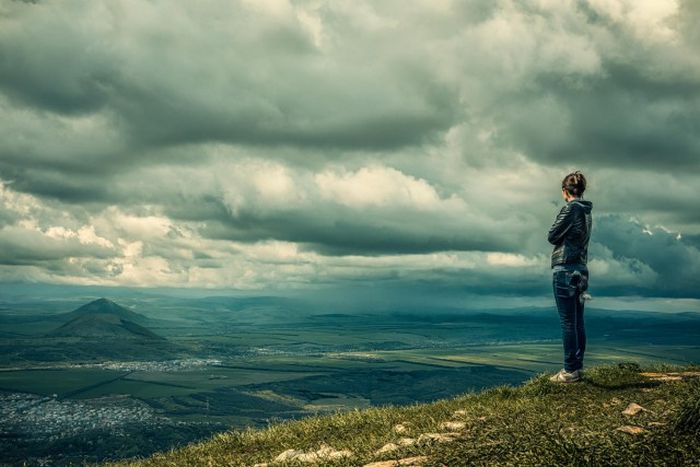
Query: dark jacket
[(571, 232)]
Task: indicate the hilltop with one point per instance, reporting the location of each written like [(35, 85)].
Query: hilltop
[(620, 414), (104, 306), (103, 318)]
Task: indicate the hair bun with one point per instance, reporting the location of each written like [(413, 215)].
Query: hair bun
[(574, 183)]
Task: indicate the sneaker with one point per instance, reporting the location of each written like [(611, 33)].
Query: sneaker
[(565, 377)]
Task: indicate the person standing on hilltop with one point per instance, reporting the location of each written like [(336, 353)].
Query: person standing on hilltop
[(570, 234)]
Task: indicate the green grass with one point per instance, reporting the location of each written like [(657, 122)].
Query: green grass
[(536, 423), (210, 378), (138, 389)]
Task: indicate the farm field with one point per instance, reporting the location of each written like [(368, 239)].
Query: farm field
[(290, 384)]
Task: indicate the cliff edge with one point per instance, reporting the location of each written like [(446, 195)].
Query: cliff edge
[(620, 414)]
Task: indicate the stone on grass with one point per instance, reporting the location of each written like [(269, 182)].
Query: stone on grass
[(670, 375), (452, 426), (633, 409), (289, 454), (438, 437), (400, 428), (410, 461), (323, 453), (389, 447), (631, 429)]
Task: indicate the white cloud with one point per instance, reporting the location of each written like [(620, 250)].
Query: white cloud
[(513, 260), (378, 186)]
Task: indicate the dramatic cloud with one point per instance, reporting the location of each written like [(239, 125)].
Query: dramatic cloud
[(295, 144)]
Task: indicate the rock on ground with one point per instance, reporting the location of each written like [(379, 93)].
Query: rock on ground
[(411, 461), (400, 428), (389, 447), (670, 375), (633, 409), (631, 429), (323, 453), (452, 426), (438, 437)]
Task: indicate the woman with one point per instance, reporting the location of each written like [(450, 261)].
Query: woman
[(570, 234)]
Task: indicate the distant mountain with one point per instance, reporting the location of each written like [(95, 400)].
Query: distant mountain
[(103, 318), (105, 306)]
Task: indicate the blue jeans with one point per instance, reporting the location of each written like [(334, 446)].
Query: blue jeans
[(568, 286)]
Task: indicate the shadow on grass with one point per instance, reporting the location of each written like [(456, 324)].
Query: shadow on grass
[(619, 376), (622, 385), (624, 375)]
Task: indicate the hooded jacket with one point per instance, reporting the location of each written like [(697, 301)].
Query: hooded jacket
[(571, 232)]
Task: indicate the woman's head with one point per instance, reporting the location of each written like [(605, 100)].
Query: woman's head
[(573, 185)]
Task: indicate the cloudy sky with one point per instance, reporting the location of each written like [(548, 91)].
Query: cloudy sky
[(276, 145)]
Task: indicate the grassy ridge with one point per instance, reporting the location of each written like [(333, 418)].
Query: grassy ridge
[(536, 423)]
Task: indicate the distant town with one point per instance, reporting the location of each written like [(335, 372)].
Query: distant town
[(30, 416), (165, 365)]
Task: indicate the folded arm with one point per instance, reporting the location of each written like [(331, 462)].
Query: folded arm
[(561, 224)]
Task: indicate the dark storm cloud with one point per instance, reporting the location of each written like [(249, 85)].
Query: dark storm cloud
[(169, 120), (254, 82), (357, 236), (8, 218), (419, 142), (674, 260), (639, 109), (56, 185), (623, 118), (323, 216), (625, 259), (260, 80)]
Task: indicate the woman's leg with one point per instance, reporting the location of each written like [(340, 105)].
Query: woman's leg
[(580, 334), (580, 330), (566, 298)]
